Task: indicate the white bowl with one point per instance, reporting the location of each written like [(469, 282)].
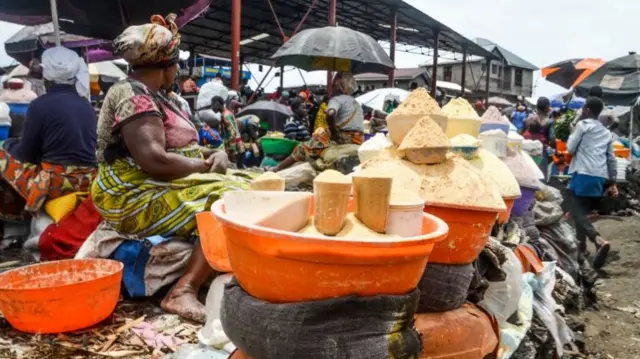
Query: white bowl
[(285, 211)]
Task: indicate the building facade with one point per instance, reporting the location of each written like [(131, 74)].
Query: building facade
[(510, 76)]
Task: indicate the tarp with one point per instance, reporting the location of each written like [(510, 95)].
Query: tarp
[(31, 41), (619, 80), (103, 19)]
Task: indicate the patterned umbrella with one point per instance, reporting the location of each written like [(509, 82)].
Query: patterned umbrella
[(619, 80), (334, 48), (570, 73)]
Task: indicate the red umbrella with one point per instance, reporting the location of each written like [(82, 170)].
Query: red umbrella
[(570, 73)]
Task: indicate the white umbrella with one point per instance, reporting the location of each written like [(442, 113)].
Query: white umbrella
[(375, 99), (107, 70)]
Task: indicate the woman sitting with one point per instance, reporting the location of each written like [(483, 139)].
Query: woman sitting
[(297, 127), (153, 178), (344, 120), (56, 154)]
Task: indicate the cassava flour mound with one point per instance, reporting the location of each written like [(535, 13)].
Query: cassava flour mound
[(492, 167), (465, 140), (494, 116), (406, 175), (460, 108), (353, 230), (418, 102), (456, 182), (425, 134)]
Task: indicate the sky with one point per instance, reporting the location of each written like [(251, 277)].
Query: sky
[(541, 31)]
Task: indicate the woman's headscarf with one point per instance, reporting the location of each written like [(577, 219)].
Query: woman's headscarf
[(344, 83), (154, 45), (63, 66)]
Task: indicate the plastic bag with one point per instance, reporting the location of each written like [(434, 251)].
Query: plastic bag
[(511, 335), (562, 238), (502, 298), (208, 91), (545, 307), (533, 148), (298, 177), (373, 146)]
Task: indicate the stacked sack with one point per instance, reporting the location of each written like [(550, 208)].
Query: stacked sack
[(468, 201)]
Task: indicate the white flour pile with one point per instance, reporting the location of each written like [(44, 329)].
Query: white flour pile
[(492, 167)]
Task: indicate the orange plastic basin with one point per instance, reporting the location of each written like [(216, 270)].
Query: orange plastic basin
[(214, 244), (212, 241), (285, 267), (469, 231), (503, 217), (622, 153), (464, 333), (60, 296)]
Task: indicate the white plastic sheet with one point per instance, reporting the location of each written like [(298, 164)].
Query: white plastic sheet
[(545, 307), (501, 298)]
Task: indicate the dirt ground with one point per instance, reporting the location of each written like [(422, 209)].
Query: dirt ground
[(612, 330)]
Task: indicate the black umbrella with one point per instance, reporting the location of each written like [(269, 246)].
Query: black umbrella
[(334, 48), (619, 80), (103, 19), (570, 73), (271, 112)]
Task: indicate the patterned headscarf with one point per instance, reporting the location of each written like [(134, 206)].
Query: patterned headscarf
[(344, 83), (150, 45)]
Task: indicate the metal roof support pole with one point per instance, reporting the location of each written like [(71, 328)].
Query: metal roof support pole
[(487, 80), (392, 46), (434, 71), (236, 8), (463, 81), (332, 22), (253, 95), (54, 19), (281, 77)]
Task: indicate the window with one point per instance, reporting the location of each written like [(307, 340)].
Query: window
[(494, 69), (484, 66), (518, 79), (448, 73)]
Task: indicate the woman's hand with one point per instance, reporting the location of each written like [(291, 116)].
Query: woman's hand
[(218, 162)]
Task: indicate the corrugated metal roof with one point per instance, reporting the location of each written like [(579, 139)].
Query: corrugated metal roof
[(511, 58), (211, 33)]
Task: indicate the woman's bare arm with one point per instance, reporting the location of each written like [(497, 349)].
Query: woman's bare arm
[(146, 142)]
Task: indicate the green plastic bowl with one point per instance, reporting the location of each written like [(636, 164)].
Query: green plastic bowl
[(277, 146)]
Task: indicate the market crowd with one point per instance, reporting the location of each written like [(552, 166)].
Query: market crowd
[(149, 162)]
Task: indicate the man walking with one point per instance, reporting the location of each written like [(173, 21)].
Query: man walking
[(592, 168)]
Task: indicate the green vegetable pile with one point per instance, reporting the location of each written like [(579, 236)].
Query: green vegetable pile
[(562, 127)]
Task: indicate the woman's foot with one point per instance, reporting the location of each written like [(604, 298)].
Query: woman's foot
[(600, 257), (183, 301)]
